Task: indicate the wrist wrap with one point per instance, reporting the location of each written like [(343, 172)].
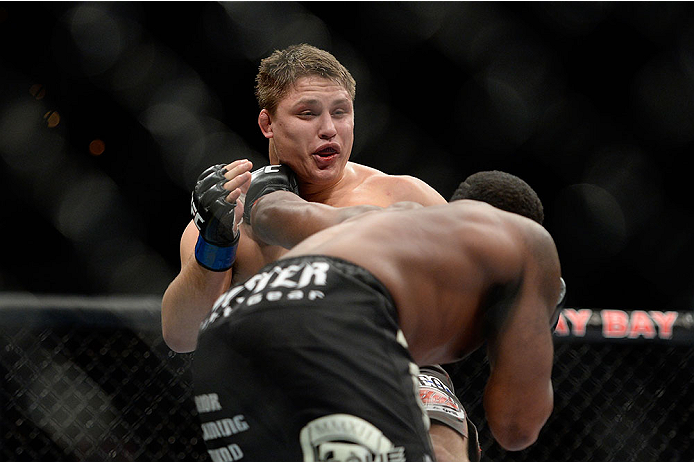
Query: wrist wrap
[(214, 257), (443, 406)]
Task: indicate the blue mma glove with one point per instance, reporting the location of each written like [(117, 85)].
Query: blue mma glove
[(214, 218)]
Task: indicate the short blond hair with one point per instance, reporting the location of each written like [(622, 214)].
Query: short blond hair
[(279, 71)]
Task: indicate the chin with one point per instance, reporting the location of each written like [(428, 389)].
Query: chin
[(326, 173), (321, 178)]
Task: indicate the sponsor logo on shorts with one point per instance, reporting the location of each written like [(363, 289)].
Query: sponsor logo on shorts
[(220, 428), (230, 453), (208, 402), (347, 438), (279, 284), (223, 427)]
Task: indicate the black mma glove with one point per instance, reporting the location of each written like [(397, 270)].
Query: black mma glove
[(554, 320), (214, 218), (265, 180), (443, 406)]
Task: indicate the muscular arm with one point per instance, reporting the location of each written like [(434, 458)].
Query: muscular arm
[(189, 297), (283, 218), (448, 445), (518, 397)]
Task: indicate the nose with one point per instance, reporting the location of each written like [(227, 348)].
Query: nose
[(327, 128)]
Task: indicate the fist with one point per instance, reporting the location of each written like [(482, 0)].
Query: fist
[(214, 211), (214, 201), (266, 180)]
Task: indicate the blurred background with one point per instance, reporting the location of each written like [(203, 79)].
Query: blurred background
[(109, 111)]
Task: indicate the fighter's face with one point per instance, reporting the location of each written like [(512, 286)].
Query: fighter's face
[(312, 130)]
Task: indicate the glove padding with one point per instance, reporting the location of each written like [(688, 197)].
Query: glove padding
[(214, 218), (554, 320), (442, 405), (265, 180)]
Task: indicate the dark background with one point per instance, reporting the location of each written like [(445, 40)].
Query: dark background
[(591, 103)]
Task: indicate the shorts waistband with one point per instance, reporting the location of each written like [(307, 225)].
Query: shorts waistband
[(346, 267)]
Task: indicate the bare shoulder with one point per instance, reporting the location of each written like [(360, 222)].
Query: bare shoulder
[(534, 252), (504, 243), (540, 243), (397, 187)]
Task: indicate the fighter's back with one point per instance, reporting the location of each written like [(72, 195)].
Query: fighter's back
[(451, 269)]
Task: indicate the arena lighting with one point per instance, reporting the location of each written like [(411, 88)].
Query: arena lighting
[(38, 91), (92, 213), (26, 145), (52, 119), (664, 96), (97, 36), (89, 378), (83, 203), (266, 29), (593, 218), (525, 107), (97, 147)]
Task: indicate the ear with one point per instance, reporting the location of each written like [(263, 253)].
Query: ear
[(265, 123)]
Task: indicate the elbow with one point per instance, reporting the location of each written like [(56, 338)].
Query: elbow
[(515, 437), (178, 322), (178, 343), (261, 221), (518, 431), (177, 339), (516, 423)]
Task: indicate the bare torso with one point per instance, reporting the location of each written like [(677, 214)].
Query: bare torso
[(361, 185), (439, 265)]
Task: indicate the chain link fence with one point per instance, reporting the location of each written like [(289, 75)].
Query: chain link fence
[(90, 379)]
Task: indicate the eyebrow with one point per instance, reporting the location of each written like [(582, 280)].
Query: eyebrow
[(306, 101), (313, 101)]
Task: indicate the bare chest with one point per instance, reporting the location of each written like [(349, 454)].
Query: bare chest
[(362, 196)]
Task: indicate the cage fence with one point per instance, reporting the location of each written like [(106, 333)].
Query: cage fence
[(91, 379)]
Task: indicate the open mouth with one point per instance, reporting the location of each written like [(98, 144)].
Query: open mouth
[(327, 152)]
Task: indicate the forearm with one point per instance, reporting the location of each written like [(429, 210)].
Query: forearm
[(449, 445), (285, 219), (187, 301), (453, 435)]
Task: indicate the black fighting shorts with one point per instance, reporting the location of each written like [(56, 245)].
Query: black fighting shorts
[(305, 362)]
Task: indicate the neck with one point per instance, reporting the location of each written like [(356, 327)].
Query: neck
[(326, 192)]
